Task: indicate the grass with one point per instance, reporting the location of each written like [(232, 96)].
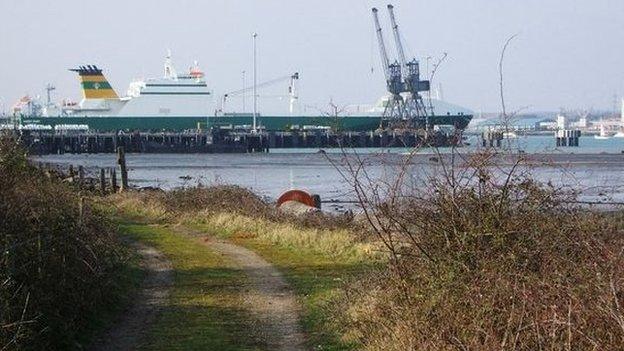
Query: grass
[(128, 282), (316, 281), (337, 244), (315, 262), (204, 312)]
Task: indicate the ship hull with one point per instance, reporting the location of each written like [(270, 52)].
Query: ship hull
[(270, 123)]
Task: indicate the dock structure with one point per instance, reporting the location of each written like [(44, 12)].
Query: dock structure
[(45, 143), (567, 137), (492, 138)]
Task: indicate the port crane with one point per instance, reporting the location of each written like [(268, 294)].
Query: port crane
[(402, 80), (292, 90), (395, 108)]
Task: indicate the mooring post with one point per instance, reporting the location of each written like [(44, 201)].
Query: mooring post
[(80, 175), (121, 160), (113, 175), (102, 181)]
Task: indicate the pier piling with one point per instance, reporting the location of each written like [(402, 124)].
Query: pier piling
[(102, 182), (121, 160)]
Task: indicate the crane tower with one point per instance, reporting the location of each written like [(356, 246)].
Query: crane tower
[(405, 107)]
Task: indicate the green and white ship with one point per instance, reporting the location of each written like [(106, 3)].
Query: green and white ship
[(179, 102)]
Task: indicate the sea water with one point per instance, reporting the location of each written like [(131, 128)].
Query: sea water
[(596, 167)]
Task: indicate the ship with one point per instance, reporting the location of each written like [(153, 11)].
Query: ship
[(181, 102)]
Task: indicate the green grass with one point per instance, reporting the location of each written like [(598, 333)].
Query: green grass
[(204, 311), (317, 263), (127, 284)]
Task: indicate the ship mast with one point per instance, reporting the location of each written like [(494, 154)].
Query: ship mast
[(49, 88), (170, 72)]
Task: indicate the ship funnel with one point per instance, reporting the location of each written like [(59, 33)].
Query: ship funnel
[(94, 84)]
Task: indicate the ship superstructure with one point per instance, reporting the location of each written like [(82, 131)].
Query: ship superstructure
[(173, 95)]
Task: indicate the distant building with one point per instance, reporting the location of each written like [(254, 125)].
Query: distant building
[(561, 122), (547, 125), (581, 123)]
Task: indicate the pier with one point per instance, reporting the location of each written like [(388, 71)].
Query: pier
[(219, 141), (567, 137)]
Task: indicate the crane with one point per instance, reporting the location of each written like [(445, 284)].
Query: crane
[(392, 72), (292, 89), (411, 74), (397, 41)]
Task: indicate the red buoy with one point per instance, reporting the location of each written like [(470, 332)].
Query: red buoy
[(296, 195)]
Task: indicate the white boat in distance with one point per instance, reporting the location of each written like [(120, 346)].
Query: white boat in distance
[(603, 133)]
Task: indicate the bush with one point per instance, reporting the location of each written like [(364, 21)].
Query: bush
[(484, 259), (58, 260)]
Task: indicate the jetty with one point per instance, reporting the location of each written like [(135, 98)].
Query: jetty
[(219, 141)]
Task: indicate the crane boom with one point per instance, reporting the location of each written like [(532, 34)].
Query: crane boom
[(397, 40), (382, 46), (291, 89), (291, 77)]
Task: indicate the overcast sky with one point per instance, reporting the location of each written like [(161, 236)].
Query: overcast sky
[(569, 53)]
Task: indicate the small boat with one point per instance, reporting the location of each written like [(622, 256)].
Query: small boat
[(510, 135), (603, 134), (619, 134)]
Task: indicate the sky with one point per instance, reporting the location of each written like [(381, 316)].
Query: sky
[(568, 53)]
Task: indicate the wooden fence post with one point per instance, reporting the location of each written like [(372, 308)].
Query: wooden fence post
[(80, 175), (102, 181), (113, 174), (121, 160)]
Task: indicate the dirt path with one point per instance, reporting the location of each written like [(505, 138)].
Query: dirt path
[(128, 332), (269, 298)]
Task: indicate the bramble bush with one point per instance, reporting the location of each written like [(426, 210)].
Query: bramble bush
[(59, 258)]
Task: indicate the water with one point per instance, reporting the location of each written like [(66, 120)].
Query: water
[(596, 167)]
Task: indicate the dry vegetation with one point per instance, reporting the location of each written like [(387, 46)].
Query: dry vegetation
[(59, 260), (190, 203), (483, 258), (237, 212)]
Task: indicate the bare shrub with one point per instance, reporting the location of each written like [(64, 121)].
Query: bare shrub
[(481, 257)]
